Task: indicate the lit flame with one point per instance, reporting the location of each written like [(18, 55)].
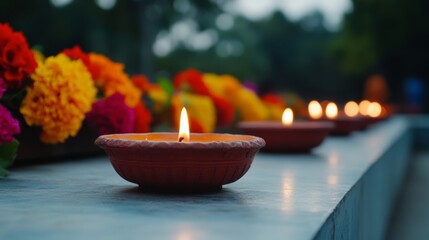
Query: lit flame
[(374, 109), (363, 107), (287, 118), (184, 126), (315, 110), (331, 110), (351, 109)]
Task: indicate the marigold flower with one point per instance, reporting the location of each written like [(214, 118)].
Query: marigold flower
[(160, 99), (9, 126), (142, 82), (249, 105), (112, 79), (40, 58), (77, 53), (192, 80), (231, 84), (16, 59), (61, 94), (143, 118), (111, 115), (275, 106), (201, 111), (214, 83)]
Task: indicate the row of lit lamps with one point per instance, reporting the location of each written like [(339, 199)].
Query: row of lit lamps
[(351, 109)]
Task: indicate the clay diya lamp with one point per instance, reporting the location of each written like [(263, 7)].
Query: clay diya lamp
[(346, 121), (184, 162), (288, 136), (343, 125), (372, 112)]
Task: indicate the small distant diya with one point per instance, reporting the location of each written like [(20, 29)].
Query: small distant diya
[(343, 123), (184, 162), (372, 112), (346, 121), (288, 136)]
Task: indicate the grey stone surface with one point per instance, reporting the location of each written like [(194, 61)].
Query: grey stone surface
[(283, 196), (411, 217)]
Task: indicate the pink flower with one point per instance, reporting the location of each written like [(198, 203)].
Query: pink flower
[(111, 115), (9, 126), (2, 87)]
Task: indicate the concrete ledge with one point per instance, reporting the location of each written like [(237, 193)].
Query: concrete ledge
[(364, 212), (344, 189)]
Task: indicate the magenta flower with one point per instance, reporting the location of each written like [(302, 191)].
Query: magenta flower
[(2, 87), (111, 115), (9, 126)]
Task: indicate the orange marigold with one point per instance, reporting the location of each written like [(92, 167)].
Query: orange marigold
[(112, 79), (61, 94), (77, 53), (201, 111)]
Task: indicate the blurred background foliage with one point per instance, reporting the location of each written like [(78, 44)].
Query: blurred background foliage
[(161, 37)]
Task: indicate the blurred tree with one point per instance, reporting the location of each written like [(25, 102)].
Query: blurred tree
[(387, 36), (274, 52)]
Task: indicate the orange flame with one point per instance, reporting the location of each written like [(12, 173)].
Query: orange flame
[(184, 126), (315, 110), (351, 109), (287, 118), (331, 110)]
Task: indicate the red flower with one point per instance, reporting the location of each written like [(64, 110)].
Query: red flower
[(143, 119), (193, 80), (16, 59), (224, 111), (273, 99), (9, 126), (77, 53), (141, 82), (111, 115), (195, 126)]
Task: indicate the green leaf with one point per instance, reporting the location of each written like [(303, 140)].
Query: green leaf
[(166, 85), (8, 153)]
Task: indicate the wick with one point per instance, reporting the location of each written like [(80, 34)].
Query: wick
[(181, 139)]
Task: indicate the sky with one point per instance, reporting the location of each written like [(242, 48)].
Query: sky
[(333, 10)]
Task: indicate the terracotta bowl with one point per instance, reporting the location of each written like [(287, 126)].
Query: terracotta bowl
[(346, 125), (300, 137), (158, 162)]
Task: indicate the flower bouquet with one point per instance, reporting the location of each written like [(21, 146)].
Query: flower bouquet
[(55, 106)]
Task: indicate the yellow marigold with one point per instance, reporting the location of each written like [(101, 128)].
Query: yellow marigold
[(275, 111), (159, 98), (61, 94), (111, 78), (232, 84), (38, 56), (221, 85), (249, 105), (201, 111), (214, 83)]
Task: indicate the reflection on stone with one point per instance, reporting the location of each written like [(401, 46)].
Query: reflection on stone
[(287, 189), (186, 233), (332, 180)]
